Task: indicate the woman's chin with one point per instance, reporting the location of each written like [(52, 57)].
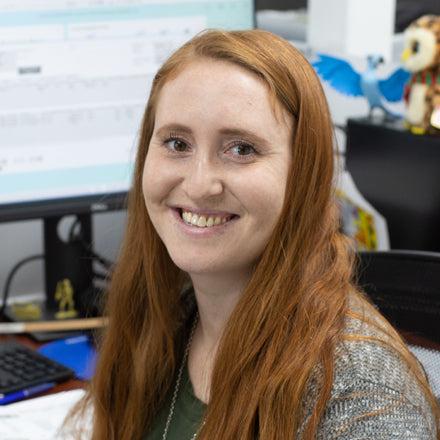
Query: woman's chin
[(200, 266), (192, 268)]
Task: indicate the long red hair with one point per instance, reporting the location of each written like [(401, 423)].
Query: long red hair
[(290, 316)]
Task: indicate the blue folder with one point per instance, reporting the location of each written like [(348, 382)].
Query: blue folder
[(77, 353)]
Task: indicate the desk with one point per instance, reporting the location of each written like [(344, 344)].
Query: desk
[(73, 384), (41, 416)]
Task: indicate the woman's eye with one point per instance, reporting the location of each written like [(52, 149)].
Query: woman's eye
[(176, 145), (243, 150)]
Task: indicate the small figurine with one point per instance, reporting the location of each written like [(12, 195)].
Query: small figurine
[(64, 297), (346, 80), (421, 56)]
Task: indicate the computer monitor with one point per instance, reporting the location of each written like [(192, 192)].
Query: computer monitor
[(74, 80)]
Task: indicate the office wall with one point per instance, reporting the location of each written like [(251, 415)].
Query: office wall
[(406, 10)]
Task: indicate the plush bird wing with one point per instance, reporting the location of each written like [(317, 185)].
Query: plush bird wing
[(393, 86), (339, 74)]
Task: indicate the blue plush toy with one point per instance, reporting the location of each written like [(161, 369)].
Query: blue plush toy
[(341, 75)]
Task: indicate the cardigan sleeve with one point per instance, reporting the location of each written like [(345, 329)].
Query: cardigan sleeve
[(374, 395), (374, 411)]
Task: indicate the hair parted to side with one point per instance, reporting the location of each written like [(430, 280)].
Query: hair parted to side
[(290, 316)]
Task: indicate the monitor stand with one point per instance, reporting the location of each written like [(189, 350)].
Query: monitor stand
[(68, 277)]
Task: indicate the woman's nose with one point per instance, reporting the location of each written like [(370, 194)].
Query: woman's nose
[(203, 179)]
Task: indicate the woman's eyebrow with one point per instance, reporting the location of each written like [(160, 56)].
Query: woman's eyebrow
[(226, 131), (167, 128), (246, 134)]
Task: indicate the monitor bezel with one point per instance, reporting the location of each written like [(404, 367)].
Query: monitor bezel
[(40, 209)]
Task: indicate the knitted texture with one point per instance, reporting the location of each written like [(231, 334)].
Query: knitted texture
[(374, 394)]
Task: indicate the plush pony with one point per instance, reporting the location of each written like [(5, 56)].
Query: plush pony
[(421, 56)]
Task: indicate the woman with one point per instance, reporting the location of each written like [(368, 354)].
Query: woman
[(232, 312)]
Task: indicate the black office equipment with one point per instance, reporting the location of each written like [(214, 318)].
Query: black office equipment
[(22, 368), (405, 285), (399, 174)]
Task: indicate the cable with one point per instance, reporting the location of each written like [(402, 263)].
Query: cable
[(100, 276), (77, 236), (11, 276), (107, 264), (73, 236)]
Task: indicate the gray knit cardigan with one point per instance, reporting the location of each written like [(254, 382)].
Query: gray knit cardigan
[(374, 395)]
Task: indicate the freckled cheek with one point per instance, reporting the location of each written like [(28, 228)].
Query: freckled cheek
[(149, 186), (264, 201), (157, 181)]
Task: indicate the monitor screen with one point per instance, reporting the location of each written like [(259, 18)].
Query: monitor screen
[(74, 80)]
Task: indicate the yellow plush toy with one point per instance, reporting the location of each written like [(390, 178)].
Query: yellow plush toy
[(421, 56)]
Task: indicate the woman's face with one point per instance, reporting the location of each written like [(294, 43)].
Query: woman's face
[(216, 170)]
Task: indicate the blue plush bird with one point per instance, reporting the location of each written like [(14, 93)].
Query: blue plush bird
[(345, 79)]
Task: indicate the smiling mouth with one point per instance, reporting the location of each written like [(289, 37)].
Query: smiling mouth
[(200, 220)]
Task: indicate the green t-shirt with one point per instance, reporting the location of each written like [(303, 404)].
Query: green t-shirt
[(188, 413)]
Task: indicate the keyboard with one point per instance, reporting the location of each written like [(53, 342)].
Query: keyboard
[(22, 368)]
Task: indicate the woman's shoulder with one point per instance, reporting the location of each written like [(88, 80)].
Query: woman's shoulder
[(371, 351), (375, 393)]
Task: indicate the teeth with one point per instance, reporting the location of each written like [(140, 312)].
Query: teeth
[(194, 219), (202, 221)]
